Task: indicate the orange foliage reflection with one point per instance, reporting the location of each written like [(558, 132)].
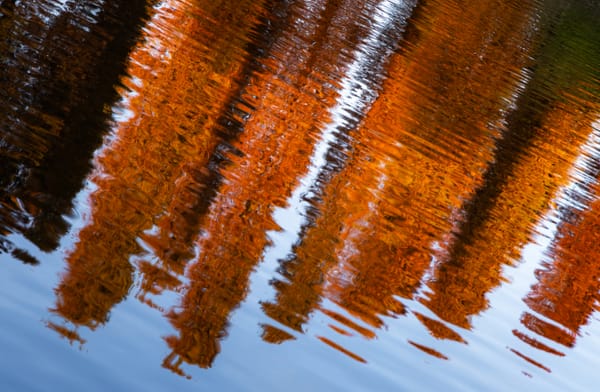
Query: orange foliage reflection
[(531, 164), (175, 96), (414, 200), (566, 293), (379, 218), (274, 147), (452, 96), (59, 66), (297, 297)]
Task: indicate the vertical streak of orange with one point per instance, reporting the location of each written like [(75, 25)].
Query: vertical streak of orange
[(181, 76), (535, 180), (287, 107), (568, 285), (444, 98)]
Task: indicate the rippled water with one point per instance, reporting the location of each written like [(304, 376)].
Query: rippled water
[(301, 195)]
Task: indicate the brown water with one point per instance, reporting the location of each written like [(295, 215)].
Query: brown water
[(299, 195)]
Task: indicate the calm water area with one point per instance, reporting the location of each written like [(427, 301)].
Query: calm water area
[(299, 195)]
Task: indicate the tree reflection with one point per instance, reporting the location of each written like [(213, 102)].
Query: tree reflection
[(273, 153), (59, 68), (531, 163), (399, 164), (566, 294), (304, 269), (424, 135), (154, 153), (379, 219)]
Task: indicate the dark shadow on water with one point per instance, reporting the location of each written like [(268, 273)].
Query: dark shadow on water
[(59, 72)]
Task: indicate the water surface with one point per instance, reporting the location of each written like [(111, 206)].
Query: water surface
[(320, 194)]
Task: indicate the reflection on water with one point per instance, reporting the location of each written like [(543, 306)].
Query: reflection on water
[(304, 172), (150, 174), (57, 78)]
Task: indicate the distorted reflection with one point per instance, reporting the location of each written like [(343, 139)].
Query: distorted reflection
[(383, 201), (56, 79), (531, 162), (150, 173), (415, 155), (389, 159), (274, 147), (311, 238), (566, 294)]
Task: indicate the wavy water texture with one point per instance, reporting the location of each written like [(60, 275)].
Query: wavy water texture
[(344, 192)]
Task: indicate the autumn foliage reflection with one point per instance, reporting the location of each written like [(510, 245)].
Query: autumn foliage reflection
[(275, 140), (59, 67), (417, 200), (380, 217), (531, 165), (404, 168), (566, 293), (161, 144)]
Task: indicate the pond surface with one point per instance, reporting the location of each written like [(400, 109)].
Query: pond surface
[(264, 195)]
